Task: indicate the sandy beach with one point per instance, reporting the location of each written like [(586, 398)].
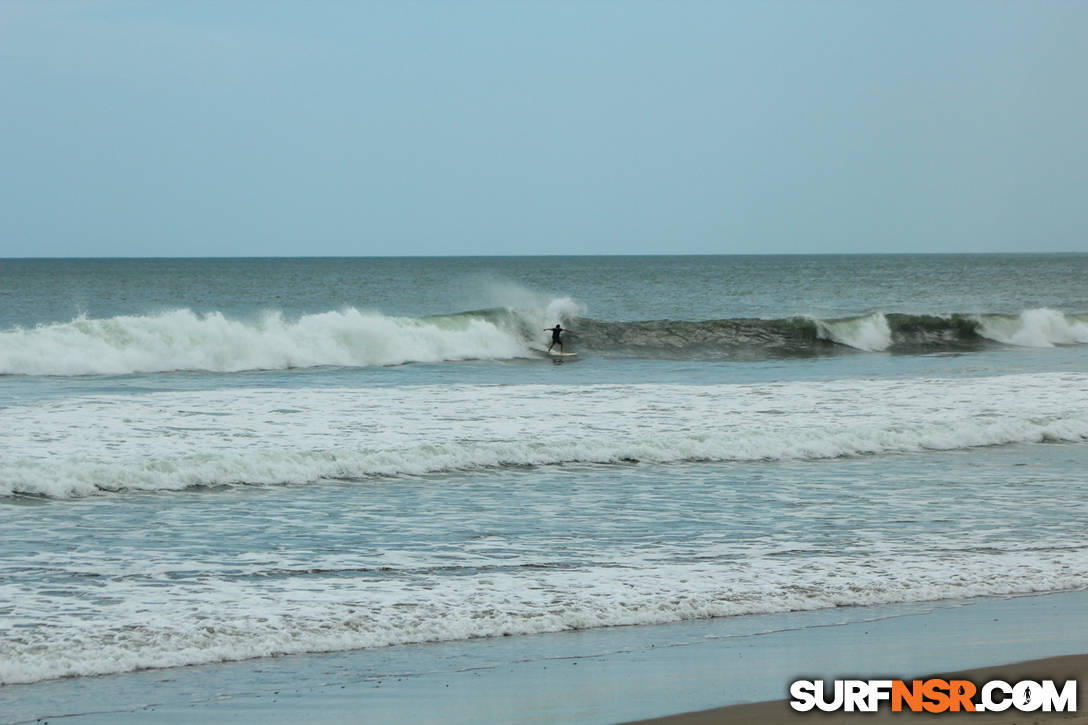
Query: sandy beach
[(1070, 667)]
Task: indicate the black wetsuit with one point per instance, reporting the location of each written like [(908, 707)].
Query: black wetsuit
[(555, 334)]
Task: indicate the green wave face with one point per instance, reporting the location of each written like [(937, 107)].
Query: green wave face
[(754, 339)]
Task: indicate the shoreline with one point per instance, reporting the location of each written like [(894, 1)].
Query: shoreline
[(1060, 668), (622, 674)]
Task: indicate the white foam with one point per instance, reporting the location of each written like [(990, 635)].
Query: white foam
[(185, 623), (188, 604), (1035, 328), (870, 333), (169, 441), (184, 340)]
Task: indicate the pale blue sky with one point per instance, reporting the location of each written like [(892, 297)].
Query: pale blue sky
[(353, 128)]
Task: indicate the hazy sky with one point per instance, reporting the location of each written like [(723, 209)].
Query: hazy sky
[(354, 128)]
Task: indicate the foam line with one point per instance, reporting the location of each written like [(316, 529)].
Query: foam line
[(173, 441)]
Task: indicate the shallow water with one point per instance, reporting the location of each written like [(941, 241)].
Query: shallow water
[(206, 460)]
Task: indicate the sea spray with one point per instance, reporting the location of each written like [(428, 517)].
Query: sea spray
[(870, 333), (1035, 328)]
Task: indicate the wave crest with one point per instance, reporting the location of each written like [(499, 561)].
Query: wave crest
[(186, 340), (803, 336)]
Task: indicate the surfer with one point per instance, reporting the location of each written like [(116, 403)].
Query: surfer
[(555, 337)]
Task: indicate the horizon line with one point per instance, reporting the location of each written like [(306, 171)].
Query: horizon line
[(539, 256)]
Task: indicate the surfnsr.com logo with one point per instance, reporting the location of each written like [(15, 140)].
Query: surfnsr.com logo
[(934, 695)]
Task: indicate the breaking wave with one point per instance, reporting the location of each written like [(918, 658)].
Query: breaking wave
[(183, 340), (802, 336)]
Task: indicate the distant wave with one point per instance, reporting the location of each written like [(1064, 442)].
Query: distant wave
[(757, 339), (185, 340)]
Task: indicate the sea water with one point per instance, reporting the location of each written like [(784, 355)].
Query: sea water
[(217, 460)]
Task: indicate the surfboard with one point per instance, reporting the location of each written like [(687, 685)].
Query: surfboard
[(556, 353)]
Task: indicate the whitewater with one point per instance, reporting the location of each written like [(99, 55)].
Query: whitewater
[(183, 340), (171, 441), (218, 460)]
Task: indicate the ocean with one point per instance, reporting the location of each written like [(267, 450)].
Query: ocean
[(213, 460)]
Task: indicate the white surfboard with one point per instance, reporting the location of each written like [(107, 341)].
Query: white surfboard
[(556, 353)]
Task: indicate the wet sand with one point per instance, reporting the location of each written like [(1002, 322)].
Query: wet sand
[(1070, 667)]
